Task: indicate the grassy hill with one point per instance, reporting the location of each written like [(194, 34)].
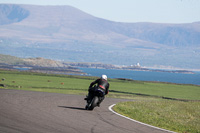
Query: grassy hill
[(11, 60), (37, 62)]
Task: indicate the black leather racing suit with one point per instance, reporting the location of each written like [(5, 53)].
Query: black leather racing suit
[(102, 84)]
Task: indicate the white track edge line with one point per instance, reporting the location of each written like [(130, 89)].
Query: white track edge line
[(111, 106)]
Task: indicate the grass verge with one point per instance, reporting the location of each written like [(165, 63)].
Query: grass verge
[(176, 116)]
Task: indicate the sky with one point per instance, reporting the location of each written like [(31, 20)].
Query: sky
[(157, 11)]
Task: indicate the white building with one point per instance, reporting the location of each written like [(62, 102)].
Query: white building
[(138, 64)]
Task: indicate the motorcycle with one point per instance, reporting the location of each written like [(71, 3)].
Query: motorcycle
[(95, 100)]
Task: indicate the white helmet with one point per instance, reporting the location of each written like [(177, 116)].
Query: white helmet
[(104, 77)]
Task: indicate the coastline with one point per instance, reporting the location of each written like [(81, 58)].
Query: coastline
[(132, 67)]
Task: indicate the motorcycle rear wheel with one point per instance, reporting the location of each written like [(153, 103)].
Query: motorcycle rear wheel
[(93, 103)]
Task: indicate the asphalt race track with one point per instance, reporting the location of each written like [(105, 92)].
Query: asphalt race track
[(40, 112)]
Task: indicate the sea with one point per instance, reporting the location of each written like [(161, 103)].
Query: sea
[(179, 78)]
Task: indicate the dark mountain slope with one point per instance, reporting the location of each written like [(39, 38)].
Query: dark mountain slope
[(11, 14)]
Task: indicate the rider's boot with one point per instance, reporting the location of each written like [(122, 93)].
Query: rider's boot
[(86, 98), (100, 100)]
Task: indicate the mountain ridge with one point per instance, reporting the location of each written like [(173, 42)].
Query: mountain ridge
[(78, 36), (85, 22)]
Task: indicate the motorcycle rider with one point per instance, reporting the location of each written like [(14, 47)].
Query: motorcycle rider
[(102, 84)]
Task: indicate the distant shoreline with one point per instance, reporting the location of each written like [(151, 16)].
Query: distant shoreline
[(73, 68), (132, 67), (40, 64)]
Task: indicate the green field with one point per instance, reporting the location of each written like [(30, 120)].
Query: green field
[(148, 97), (178, 116), (79, 85)]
